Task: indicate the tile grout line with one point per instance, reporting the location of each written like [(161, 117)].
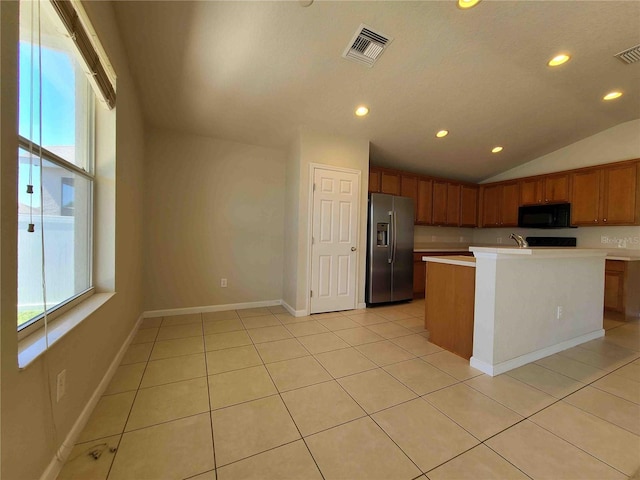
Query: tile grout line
[(113, 460), (206, 370)]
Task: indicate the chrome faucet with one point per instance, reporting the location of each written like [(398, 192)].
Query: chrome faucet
[(522, 243)]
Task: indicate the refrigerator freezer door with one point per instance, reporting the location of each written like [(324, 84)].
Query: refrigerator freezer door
[(379, 244), (402, 266)]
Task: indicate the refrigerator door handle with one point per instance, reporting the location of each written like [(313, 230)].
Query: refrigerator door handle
[(395, 236), (391, 236)]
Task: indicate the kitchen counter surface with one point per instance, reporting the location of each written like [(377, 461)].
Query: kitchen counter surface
[(452, 260), (440, 247)]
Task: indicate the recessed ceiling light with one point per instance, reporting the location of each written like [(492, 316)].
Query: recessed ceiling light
[(496, 149), (466, 4), (612, 95), (361, 111), (558, 60), (442, 133)]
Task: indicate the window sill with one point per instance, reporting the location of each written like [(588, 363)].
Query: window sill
[(33, 346)]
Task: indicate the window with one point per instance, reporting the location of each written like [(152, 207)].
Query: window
[(55, 166)]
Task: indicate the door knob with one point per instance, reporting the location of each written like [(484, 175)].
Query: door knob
[(353, 249)]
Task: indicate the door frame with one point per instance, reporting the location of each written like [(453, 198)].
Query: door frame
[(312, 169)]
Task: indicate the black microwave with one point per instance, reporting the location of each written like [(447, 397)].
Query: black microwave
[(556, 215)]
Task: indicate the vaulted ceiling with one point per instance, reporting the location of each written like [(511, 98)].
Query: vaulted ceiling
[(255, 72)]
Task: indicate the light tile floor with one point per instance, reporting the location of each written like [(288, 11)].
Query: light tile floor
[(355, 395)]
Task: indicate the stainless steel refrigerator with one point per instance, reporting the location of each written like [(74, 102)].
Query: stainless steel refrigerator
[(389, 249)]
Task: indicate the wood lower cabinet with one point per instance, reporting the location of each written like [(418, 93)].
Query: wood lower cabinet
[(614, 285), (449, 306), (622, 287)]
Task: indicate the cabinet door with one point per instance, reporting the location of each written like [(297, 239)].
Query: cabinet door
[(390, 183), (453, 205), (556, 188), (585, 197), (531, 191), (510, 200), (374, 180), (439, 203), (425, 201), (613, 291), (489, 214), (409, 188), (468, 206), (619, 195)]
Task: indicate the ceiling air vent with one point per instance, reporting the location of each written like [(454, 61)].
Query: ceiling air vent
[(366, 46), (630, 55)]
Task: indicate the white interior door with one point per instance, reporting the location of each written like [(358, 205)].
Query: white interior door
[(336, 196)]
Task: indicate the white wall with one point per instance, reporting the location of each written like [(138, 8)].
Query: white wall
[(213, 209), (32, 426), (315, 147), (615, 144)]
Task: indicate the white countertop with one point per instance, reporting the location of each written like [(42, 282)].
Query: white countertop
[(452, 260), (539, 252)]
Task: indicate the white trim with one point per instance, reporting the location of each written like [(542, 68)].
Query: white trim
[(60, 457), (292, 311), (502, 367), (211, 308), (361, 306), (358, 173)]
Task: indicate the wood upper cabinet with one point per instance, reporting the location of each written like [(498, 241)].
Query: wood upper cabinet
[(374, 180), (500, 204), (510, 201), (409, 188), (620, 204), (606, 196), (585, 197), (556, 188), (439, 202), (531, 191), (453, 205), (425, 201), (390, 183), (468, 206), (489, 216)]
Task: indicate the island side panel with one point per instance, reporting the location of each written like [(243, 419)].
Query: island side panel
[(450, 293)]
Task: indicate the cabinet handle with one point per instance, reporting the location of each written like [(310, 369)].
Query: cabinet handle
[(604, 220), (596, 220)]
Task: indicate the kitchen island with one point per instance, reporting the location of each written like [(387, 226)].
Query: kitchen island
[(531, 302)]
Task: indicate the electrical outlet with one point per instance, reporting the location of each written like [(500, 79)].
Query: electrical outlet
[(61, 385), (223, 282), (499, 240), (559, 312)]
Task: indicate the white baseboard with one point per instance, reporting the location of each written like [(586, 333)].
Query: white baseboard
[(361, 306), (503, 367), (211, 308), (294, 312), (56, 464)]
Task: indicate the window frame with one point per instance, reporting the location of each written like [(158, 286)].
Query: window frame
[(55, 311)]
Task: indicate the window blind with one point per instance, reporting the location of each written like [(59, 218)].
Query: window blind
[(72, 23)]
